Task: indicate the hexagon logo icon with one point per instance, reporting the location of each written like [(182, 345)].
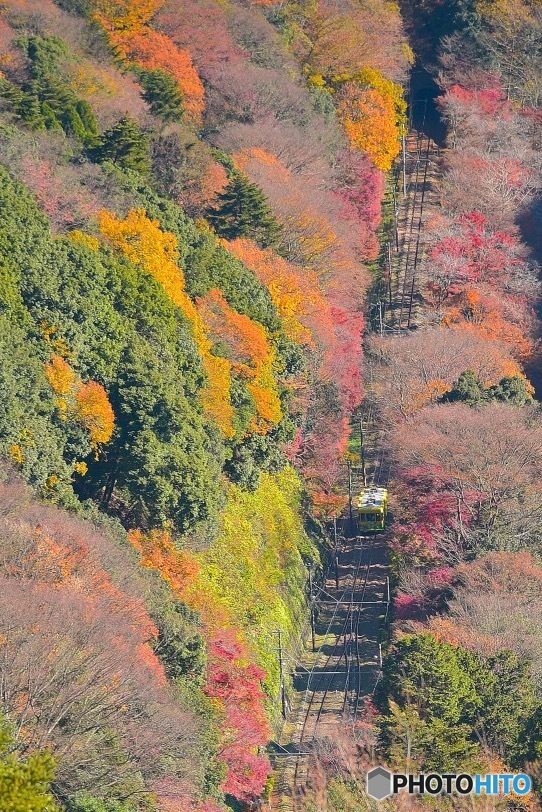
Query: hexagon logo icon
[(379, 783)]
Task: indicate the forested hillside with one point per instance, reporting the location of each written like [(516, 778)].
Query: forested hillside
[(190, 202), (194, 201), (461, 687)]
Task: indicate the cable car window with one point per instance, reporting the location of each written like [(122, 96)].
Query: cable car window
[(368, 517)]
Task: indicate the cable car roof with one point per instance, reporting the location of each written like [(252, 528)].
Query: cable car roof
[(373, 498)]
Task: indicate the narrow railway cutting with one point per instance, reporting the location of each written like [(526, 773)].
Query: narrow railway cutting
[(415, 197), (345, 666), (332, 680)]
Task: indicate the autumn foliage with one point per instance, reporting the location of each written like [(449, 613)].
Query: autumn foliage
[(95, 412), (295, 291), (150, 49), (74, 617), (222, 360), (128, 25), (87, 401), (249, 353), (142, 240), (129, 16), (231, 681)]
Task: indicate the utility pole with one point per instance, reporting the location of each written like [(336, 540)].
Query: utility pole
[(281, 669), (389, 271), (404, 163), (363, 471), (311, 607), (350, 514), (336, 553), (397, 226)]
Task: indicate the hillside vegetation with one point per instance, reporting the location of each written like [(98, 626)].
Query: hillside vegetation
[(461, 688), (190, 194), (190, 213)]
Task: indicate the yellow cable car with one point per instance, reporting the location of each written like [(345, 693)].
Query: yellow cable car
[(372, 509)]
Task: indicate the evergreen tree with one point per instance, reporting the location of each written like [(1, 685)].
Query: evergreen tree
[(507, 701), (10, 93), (87, 118), (30, 112), (72, 124), (513, 390), (24, 783), (180, 646), (83, 802), (429, 700), (49, 116), (44, 53), (439, 700), (162, 94), (467, 389), (470, 390), (427, 671), (242, 210), (158, 457), (124, 144)]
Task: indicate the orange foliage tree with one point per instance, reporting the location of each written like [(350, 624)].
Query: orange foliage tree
[(158, 551), (87, 401), (295, 291), (249, 352), (145, 244), (152, 50), (373, 112), (95, 411), (127, 25), (487, 314)]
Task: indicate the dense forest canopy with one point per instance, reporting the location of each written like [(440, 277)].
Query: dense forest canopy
[(192, 205)]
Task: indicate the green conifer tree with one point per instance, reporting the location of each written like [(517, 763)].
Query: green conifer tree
[(49, 116), (30, 112), (24, 783), (162, 94), (87, 118), (124, 144), (512, 390), (242, 210), (468, 389), (72, 124)]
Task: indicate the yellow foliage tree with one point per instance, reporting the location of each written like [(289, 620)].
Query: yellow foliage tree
[(60, 375), (144, 243), (125, 15), (94, 410), (372, 110), (250, 354)]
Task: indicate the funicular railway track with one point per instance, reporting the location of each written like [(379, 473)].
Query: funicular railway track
[(329, 683), (345, 666), (414, 193)]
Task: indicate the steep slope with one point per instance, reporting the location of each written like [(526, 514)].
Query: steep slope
[(189, 194)]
